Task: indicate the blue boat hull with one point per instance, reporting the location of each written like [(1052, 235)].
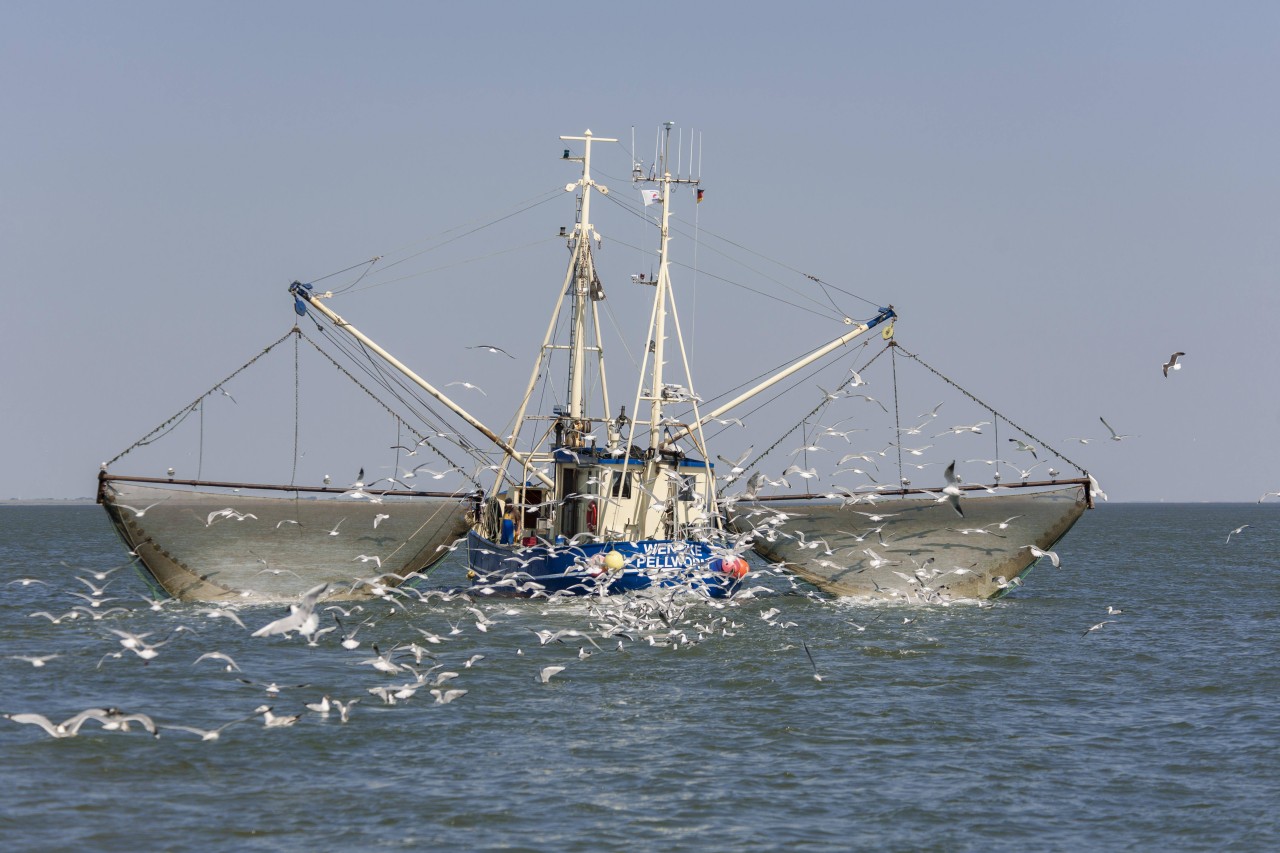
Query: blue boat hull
[(583, 569)]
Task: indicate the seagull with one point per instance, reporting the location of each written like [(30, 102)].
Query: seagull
[(322, 707), (816, 675), (931, 414), (349, 641), (547, 672), (435, 475), (99, 575), (952, 489), (1172, 363), (444, 697), (1022, 445), (344, 708), (334, 531), (116, 720), (301, 618), (1114, 435), (383, 662), (271, 721), (1038, 553), (467, 385), (207, 734), (378, 519), (870, 400), (956, 430), (735, 467), (67, 728), (139, 513), (364, 558), (278, 572), (1095, 489), (97, 615), (1266, 495), (35, 660), (877, 516), (808, 448), (1113, 611), (1234, 532), (876, 560), (223, 613), (232, 666), (493, 349), (1097, 627), (95, 591)]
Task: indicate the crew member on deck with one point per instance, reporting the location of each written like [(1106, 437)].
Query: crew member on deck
[(508, 536)]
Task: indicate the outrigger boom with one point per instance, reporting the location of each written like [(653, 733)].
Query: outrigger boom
[(304, 297)]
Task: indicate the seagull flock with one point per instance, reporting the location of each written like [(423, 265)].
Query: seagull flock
[(405, 646), (406, 643)]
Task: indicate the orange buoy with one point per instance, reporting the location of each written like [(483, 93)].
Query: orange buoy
[(735, 566)]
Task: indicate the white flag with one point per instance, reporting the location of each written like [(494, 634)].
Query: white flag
[(650, 197)]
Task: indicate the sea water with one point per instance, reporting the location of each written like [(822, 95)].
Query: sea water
[(962, 727)]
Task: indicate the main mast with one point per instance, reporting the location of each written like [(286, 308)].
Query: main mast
[(584, 282), (658, 340)]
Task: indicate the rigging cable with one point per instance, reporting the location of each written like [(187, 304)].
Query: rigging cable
[(989, 408), (377, 373), (169, 425), (297, 378)]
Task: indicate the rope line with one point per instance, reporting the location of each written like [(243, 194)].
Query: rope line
[(897, 418)]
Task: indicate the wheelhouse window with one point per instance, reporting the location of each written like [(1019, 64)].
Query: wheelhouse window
[(620, 484)]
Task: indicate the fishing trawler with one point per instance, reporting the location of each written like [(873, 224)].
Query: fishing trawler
[(584, 499)]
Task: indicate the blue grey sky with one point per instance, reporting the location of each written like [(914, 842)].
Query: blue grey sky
[(1055, 197)]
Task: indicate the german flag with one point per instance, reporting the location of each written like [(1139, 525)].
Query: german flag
[(700, 196)]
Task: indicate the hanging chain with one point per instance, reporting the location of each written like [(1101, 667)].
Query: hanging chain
[(200, 450), (297, 380), (897, 418)]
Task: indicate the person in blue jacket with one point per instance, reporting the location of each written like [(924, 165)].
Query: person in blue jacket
[(508, 536)]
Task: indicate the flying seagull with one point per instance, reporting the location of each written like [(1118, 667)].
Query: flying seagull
[(952, 488), (493, 349), (1022, 445), (467, 385), (1172, 363), (1115, 436)]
